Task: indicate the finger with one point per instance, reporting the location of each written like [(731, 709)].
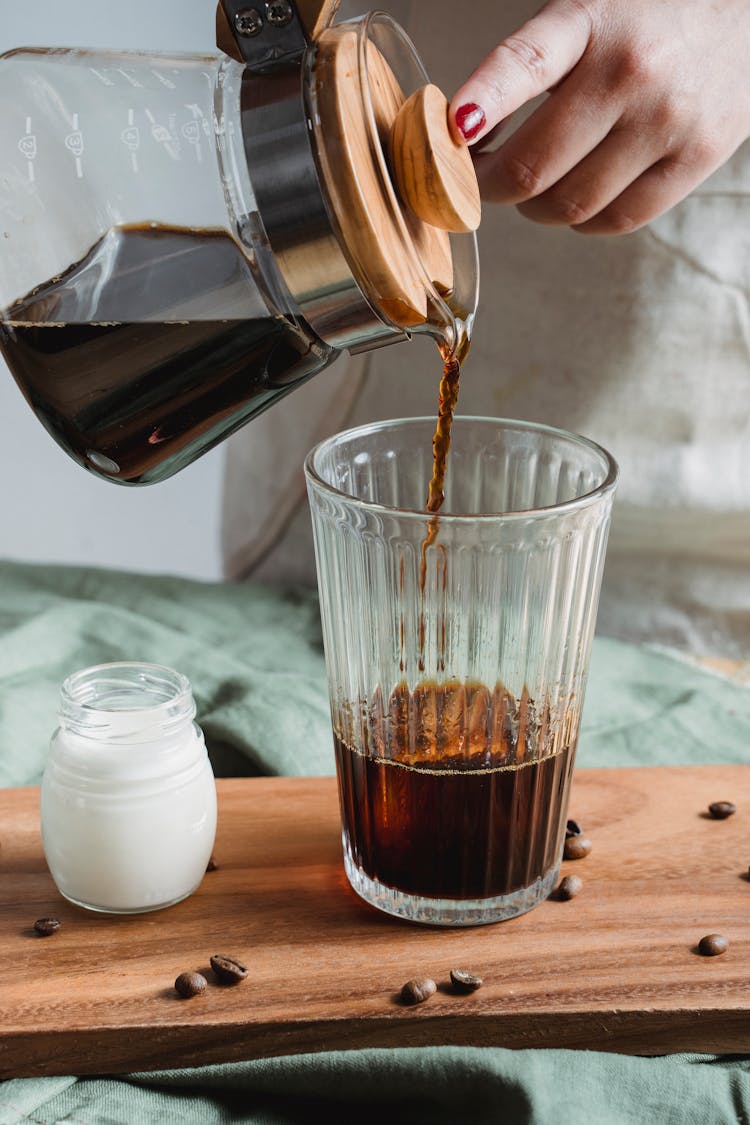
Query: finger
[(660, 187), (527, 63), (556, 138), (490, 137), (593, 184)]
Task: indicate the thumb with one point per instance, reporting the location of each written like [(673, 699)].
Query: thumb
[(531, 60)]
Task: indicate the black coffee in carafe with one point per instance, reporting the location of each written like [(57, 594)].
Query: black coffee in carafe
[(136, 401), (184, 240)]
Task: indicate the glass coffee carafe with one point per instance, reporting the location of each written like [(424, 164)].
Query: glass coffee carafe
[(184, 240)]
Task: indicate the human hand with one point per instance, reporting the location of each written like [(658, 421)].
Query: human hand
[(646, 99)]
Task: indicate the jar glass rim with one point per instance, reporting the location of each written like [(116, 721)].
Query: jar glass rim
[(98, 687), (124, 698)]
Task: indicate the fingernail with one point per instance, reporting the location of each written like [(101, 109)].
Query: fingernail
[(470, 119)]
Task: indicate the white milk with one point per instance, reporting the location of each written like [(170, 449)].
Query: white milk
[(128, 794)]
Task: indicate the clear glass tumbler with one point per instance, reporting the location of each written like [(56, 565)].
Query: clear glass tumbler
[(457, 651)]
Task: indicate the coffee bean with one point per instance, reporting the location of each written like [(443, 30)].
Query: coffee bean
[(228, 969), (417, 991), (573, 828), (190, 984), (464, 981), (720, 810), (212, 865), (712, 945), (576, 847), (568, 888), (45, 927)]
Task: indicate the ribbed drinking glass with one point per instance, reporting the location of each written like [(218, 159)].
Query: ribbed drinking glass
[(457, 651)]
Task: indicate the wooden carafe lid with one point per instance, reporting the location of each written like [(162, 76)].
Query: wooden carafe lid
[(395, 180), (434, 172), (381, 198)]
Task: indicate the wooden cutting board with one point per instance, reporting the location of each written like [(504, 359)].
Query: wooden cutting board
[(615, 969)]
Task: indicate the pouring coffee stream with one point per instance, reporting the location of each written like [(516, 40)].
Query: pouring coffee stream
[(212, 233)]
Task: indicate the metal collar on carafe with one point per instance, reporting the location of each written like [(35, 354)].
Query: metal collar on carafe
[(318, 102)]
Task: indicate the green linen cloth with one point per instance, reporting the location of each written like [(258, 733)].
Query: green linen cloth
[(255, 660)]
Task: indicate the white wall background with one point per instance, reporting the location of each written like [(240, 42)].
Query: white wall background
[(51, 510)]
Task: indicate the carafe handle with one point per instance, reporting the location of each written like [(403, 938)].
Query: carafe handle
[(269, 32)]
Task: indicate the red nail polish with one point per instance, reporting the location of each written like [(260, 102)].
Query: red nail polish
[(470, 119)]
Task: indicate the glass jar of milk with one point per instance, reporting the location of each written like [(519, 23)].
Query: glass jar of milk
[(128, 795)]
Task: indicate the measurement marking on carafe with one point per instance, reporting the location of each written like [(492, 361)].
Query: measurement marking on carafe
[(129, 78), (102, 77), (74, 144), (28, 147), (131, 138), (191, 131), (164, 136), (160, 133), (170, 85), (200, 116)]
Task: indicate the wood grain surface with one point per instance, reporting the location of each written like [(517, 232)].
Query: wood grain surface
[(434, 172), (614, 969)]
